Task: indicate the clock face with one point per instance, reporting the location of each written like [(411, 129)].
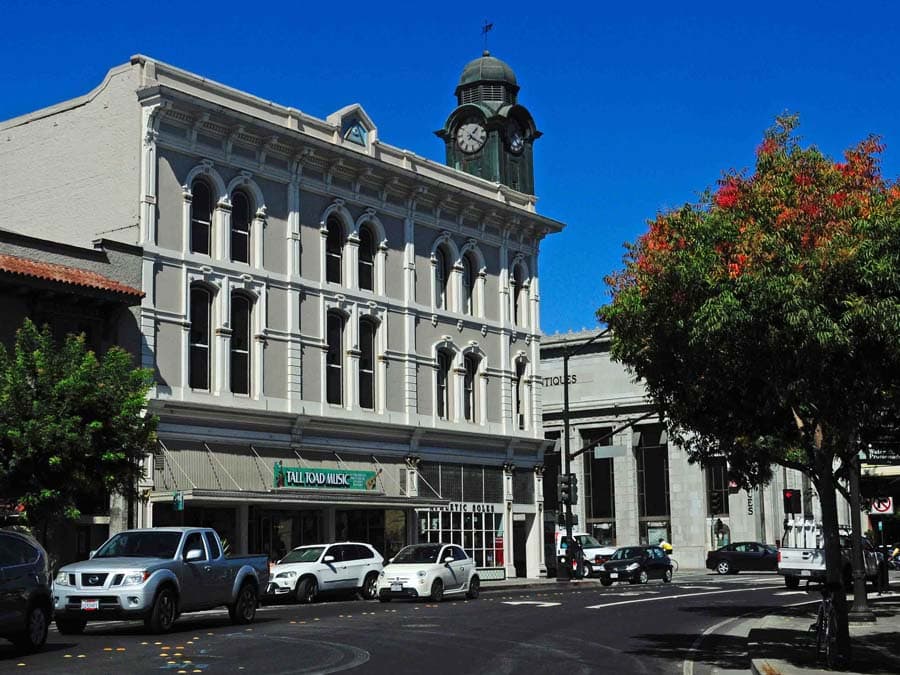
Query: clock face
[(515, 137), (471, 136)]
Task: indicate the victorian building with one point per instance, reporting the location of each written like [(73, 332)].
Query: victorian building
[(345, 335)]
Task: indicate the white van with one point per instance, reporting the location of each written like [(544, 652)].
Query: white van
[(594, 552)]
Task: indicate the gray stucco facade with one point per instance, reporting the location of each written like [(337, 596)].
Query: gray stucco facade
[(309, 226)]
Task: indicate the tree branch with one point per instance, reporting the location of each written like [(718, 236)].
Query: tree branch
[(797, 466)]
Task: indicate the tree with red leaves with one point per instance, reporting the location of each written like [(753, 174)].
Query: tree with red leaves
[(765, 319)]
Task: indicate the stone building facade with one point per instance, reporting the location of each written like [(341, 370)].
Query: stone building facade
[(345, 335), (638, 487)]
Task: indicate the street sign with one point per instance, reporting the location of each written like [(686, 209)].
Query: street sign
[(882, 506), (607, 451)]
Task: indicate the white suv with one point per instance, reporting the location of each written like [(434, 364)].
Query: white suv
[(595, 553), (429, 571), (308, 571)]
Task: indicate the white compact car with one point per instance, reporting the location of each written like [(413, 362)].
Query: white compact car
[(429, 571), (308, 571)]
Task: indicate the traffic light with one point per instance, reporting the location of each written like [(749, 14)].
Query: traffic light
[(573, 490), (715, 503), (792, 501), (564, 488)]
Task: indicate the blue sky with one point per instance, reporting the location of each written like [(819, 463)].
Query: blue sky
[(642, 105)]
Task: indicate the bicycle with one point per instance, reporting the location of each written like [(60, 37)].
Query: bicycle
[(674, 564), (826, 629)]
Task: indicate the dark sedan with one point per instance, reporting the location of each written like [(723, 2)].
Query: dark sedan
[(25, 606), (745, 556), (636, 565)]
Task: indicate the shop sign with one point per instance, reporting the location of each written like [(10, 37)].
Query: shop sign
[(327, 479), (467, 507)]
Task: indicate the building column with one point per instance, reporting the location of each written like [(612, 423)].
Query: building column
[(243, 529), (328, 523), (688, 512), (626, 498), (508, 562), (538, 527)]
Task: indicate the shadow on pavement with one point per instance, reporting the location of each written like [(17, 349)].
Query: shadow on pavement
[(723, 651), (8, 652)]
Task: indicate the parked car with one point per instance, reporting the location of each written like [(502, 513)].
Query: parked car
[(636, 565), (745, 556), (26, 608), (157, 575), (593, 552), (308, 571), (429, 571)]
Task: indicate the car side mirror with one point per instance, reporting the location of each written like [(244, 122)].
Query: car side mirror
[(194, 554), (448, 559), (328, 559), (92, 553)]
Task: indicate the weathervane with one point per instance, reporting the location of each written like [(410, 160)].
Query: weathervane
[(485, 29)]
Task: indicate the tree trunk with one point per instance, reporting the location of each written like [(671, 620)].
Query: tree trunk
[(833, 562)]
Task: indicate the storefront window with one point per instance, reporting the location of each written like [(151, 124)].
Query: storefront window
[(480, 534)]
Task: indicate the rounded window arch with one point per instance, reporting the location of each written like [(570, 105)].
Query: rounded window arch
[(367, 252), (519, 297), (241, 329), (199, 341), (334, 358), (242, 209), (469, 282), (368, 329), (442, 270), (334, 251), (202, 209)]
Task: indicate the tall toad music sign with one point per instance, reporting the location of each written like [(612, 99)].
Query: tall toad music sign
[(324, 479)]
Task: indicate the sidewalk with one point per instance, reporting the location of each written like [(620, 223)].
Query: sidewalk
[(782, 644)]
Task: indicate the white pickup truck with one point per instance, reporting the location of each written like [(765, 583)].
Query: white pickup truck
[(156, 575), (798, 563)]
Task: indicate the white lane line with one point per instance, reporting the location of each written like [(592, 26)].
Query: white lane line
[(791, 593), (682, 595), (534, 603)]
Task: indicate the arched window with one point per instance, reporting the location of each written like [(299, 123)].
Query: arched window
[(334, 252), (201, 217), (518, 283), (200, 311), (442, 278), (367, 364), (443, 385), (366, 259), (240, 343), (469, 386), (334, 360), (241, 218), (519, 394), (469, 277)]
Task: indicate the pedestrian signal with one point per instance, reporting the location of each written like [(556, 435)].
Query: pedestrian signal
[(792, 501)]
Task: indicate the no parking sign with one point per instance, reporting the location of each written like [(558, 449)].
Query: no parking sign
[(882, 506)]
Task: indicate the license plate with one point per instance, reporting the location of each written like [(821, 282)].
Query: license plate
[(804, 573), (89, 605), (396, 587), (614, 575)]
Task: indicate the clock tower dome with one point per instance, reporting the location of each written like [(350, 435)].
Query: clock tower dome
[(489, 134)]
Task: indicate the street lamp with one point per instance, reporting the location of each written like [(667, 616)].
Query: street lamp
[(565, 573)]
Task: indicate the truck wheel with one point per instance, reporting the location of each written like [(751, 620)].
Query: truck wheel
[(370, 584), (34, 635), (792, 582), (165, 609), (70, 626), (243, 611), (306, 591)]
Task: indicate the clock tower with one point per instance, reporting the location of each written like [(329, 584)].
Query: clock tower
[(489, 134)]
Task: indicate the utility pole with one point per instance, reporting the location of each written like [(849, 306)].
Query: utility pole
[(564, 570)]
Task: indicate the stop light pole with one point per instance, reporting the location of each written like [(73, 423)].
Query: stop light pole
[(564, 570)]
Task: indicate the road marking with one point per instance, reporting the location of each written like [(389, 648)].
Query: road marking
[(791, 593), (536, 603), (673, 597), (697, 588)]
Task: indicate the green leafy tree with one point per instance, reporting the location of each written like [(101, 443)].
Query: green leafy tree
[(765, 319), (70, 424)]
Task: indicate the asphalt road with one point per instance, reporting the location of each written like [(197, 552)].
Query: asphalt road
[(689, 626)]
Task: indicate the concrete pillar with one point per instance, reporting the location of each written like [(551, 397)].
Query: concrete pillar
[(328, 523), (687, 506), (625, 470), (243, 530)]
